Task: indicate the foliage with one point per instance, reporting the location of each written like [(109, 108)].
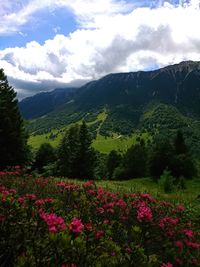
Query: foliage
[(45, 155), (76, 158), (113, 161), (171, 155), (13, 138), (68, 152), (46, 222), (167, 181), (135, 160)]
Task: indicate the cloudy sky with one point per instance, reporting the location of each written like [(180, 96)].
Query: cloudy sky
[(46, 44)]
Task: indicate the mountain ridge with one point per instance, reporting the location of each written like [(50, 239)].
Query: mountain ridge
[(174, 91)]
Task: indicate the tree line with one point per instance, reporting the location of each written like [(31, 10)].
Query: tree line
[(76, 158)]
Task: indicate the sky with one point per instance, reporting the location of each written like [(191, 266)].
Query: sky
[(47, 44)]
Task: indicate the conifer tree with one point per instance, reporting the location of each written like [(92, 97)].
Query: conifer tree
[(113, 161), (179, 144), (135, 160), (68, 153), (13, 138), (76, 158), (44, 156), (86, 159)]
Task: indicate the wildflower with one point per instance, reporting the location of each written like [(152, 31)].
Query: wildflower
[(100, 209), (88, 226), (179, 261), (167, 265), (106, 221), (167, 221), (188, 232), (88, 184), (144, 213), (192, 244), (17, 167), (20, 200), (121, 203), (179, 244), (99, 234), (54, 222), (76, 225), (2, 218)]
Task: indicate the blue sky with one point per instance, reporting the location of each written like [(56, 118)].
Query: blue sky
[(54, 43)]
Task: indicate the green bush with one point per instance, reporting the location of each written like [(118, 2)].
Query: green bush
[(166, 181)]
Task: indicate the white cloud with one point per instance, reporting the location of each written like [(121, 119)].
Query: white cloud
[(113, 37)]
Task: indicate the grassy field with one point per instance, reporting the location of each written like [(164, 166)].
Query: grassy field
[(101, 143), (117, 142), (147, 185)]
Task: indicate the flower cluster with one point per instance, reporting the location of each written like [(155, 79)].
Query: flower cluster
[(76, 225), (54, 222), (63, 223)]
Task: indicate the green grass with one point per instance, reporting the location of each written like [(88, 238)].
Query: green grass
[(117, 142), (147, 185), (36, 140), (101, 143)]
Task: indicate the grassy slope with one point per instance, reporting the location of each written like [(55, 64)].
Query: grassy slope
[(117, 142), (101, 143), (147, 185)]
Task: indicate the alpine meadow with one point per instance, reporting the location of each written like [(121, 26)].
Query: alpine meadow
[(100, 133)]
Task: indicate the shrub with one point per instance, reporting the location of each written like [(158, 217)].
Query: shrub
[(167, 181), (46, 222)]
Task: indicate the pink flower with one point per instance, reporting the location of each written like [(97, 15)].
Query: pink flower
[(148, 197), (99, 234), (17, 167), (194, 261), (2, 218), (167, 265), (168, 221), (144, 213), (100, 209), (88, 226), (106, 221), (179, 261), (192, 244), (188, 232), (54, 222), (179, 244), (121, 203), (20, 199), (88, 184), (76, 225)]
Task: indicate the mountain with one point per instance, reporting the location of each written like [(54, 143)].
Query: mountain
[(155, 101), (45, 102)]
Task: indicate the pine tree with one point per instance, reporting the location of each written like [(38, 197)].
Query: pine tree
[(68, 153), (13, 138), (76, 158), (113, 161), (179, 144), (44, 156), (183, 164), (135, 160), (161, 157), (87, 157)]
